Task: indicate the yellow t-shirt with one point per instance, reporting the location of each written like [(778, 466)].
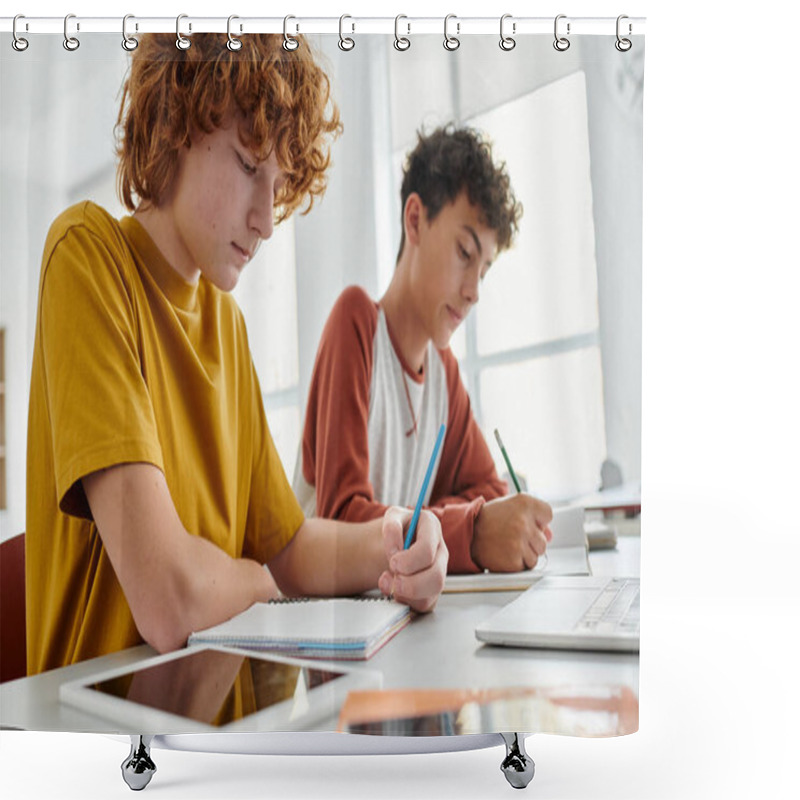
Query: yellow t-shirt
[(133, 364)]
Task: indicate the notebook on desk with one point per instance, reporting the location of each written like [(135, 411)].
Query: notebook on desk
[(571, 613), (350, 628)]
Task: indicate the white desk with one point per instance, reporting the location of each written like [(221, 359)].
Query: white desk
[(438, 650)]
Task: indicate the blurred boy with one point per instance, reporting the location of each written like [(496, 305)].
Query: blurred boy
[(385, 378), (155, 493)]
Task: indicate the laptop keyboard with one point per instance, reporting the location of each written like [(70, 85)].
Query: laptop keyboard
[(615, 610)]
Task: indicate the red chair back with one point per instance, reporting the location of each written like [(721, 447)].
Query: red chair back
[(13, 658)]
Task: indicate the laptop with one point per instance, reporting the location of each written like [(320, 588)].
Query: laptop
[(570, 613)]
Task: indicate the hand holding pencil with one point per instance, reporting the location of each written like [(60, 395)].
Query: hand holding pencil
[(415, 576), (511, 533), (418, 563)]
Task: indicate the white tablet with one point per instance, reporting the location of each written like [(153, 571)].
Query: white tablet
[(208, 689)]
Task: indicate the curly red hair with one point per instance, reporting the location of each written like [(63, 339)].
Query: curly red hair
[(281, 100)]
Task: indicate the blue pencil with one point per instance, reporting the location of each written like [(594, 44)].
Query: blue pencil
[(413, 526)]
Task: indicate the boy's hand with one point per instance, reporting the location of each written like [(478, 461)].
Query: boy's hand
[(415, 576), (511, 533)]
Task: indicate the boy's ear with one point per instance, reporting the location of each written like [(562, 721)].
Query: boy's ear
[(413, 214)]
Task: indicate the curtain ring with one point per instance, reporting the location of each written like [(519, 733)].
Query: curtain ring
[(129, 43), (289, 42), (345, 42), (507, 42), (233, 44), (401, 43), (451, 43), (623, 45), (70, 42), (561, 43), (18, 43), (182, 43)]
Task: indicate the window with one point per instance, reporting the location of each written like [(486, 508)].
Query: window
[(532, 353)]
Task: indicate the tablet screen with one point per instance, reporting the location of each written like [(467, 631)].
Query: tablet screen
[(217, 687)]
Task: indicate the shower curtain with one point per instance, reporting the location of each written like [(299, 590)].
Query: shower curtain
[(550, 356)]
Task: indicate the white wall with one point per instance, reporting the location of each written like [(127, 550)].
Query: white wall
[(56, 133)]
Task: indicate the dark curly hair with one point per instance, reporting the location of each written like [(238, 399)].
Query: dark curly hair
[(281, 98), (451, 160)]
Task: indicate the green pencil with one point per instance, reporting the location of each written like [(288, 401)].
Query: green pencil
[(516, 483), (508, 462)]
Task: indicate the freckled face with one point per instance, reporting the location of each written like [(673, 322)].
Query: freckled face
[(455, 252), (221, 206)]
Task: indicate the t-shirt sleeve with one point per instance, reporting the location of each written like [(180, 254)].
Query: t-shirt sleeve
[(96, 393), (466, 477)]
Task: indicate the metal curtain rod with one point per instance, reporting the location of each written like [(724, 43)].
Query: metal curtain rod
[(462, 26)]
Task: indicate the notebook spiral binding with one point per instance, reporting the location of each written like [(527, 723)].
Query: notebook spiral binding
[(451, 42), (360, 598)]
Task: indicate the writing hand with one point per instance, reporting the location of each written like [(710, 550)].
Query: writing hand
[(511, 533), (415, 576)]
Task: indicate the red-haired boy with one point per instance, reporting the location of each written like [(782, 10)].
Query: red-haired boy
[(155, 493)]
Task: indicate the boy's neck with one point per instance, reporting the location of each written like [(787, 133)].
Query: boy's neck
[(158, 228), (408, 333)]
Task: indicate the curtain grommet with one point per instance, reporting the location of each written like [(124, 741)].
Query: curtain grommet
[(401, 43), (507, 43), (233, 44), (70, 43), (129, 43), (623, 44), (181, 42), (451, 43), (290, 44), (346, 43), (561, 43), (19, 43)]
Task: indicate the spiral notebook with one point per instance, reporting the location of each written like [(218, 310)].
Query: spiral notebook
[(348, 628)]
